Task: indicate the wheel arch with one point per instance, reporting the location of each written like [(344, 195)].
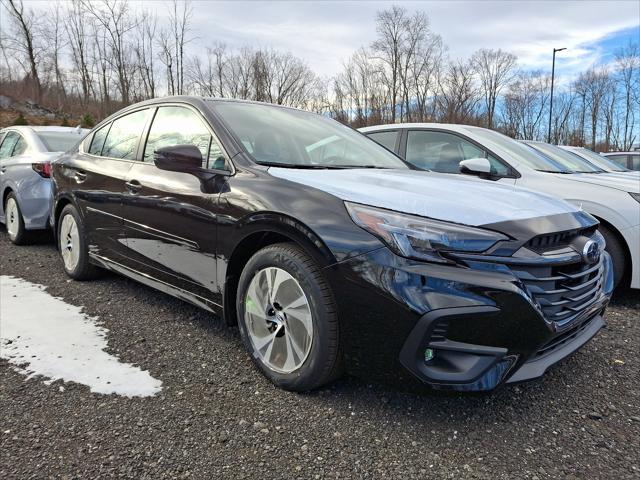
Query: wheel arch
[(623, 243), (60, 204), (264, 230)]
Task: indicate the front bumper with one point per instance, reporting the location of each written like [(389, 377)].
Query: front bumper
[(454, 328)]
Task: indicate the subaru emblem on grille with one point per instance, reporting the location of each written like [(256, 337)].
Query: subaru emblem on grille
[(591, 252)]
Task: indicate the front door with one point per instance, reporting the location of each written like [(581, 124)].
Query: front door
[(169, 217), (442, 152)]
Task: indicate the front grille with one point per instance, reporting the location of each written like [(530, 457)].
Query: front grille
[(552, 241), (562, 292)]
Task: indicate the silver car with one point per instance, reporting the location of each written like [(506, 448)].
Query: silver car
[(26, 154)]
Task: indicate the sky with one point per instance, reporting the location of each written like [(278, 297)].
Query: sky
[(326, 33)]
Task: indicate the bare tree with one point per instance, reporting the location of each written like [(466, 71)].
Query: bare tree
[(458, 98), (391, 26), (25, 26), (78, 40), (144, 53), (494, 69), (593, 85), (627, 67), (116, 20)]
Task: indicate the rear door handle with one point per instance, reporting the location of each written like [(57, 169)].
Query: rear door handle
[(80, 176), (3, 169), (133, 186)]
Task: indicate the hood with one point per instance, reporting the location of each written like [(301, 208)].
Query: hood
[(440, 196), (619, 181)]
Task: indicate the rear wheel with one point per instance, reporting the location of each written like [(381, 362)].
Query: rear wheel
[(616, 250), (14, 222), (73, 246), (287, 318)]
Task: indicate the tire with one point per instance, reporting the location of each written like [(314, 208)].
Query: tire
[(72, 246), (300, 318), (616, 250), (14, 222)]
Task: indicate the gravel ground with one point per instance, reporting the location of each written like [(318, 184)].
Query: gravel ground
[(217, 417)]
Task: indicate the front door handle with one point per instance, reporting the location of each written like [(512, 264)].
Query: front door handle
[(3, 169), (133, 186)]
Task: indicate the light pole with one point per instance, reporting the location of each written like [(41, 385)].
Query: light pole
[(553, 71)]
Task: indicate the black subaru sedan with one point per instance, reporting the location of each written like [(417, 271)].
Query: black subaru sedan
[(327, 250)]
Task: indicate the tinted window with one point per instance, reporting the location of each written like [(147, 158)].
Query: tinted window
[(635, 161), (97, 142), (443, 152), (386, 139), (8, 143), (122, 139), (182, 126)]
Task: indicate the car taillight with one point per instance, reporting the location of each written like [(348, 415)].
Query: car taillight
[(42, 169)]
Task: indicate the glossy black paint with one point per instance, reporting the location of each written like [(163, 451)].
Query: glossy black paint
[(190, 235)]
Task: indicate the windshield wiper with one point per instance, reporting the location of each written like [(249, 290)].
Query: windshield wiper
[(555, 171), (316, 167), (295, 165)]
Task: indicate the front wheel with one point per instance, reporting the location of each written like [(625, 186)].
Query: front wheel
[(72, 245), (288, 319)]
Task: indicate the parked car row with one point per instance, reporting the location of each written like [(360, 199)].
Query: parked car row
[(332, 253), (460, 149)]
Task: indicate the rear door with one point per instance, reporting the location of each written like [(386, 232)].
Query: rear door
[(169, 216), (13, 168), (97, 175)]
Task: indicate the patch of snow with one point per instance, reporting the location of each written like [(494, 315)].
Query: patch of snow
[(42, 335)]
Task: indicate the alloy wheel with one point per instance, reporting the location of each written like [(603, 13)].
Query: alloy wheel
[(12, 215), (69, 242), (278, 319)]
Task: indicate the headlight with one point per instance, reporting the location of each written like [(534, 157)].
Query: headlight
[(636, 196), (418, 237)]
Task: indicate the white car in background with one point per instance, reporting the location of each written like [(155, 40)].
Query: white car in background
[(598, 160), (455, 149), (26, 154)]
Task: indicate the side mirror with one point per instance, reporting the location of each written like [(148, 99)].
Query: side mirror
[(178, 158), (475, 166)]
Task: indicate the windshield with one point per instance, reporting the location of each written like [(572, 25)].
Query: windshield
[(292, 138), (570, 161), (516, 150), (58, 141), (599, 160)]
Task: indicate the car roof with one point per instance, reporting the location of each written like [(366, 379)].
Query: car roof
[(621, 153), (454, 127), (37, 128)]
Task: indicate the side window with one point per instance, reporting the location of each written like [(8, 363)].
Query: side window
[(634, 161), (443, 152), (6, 147), (386, 139), (20, 146), (122, 139), (97, 142), (8, 144), (181, 126)]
